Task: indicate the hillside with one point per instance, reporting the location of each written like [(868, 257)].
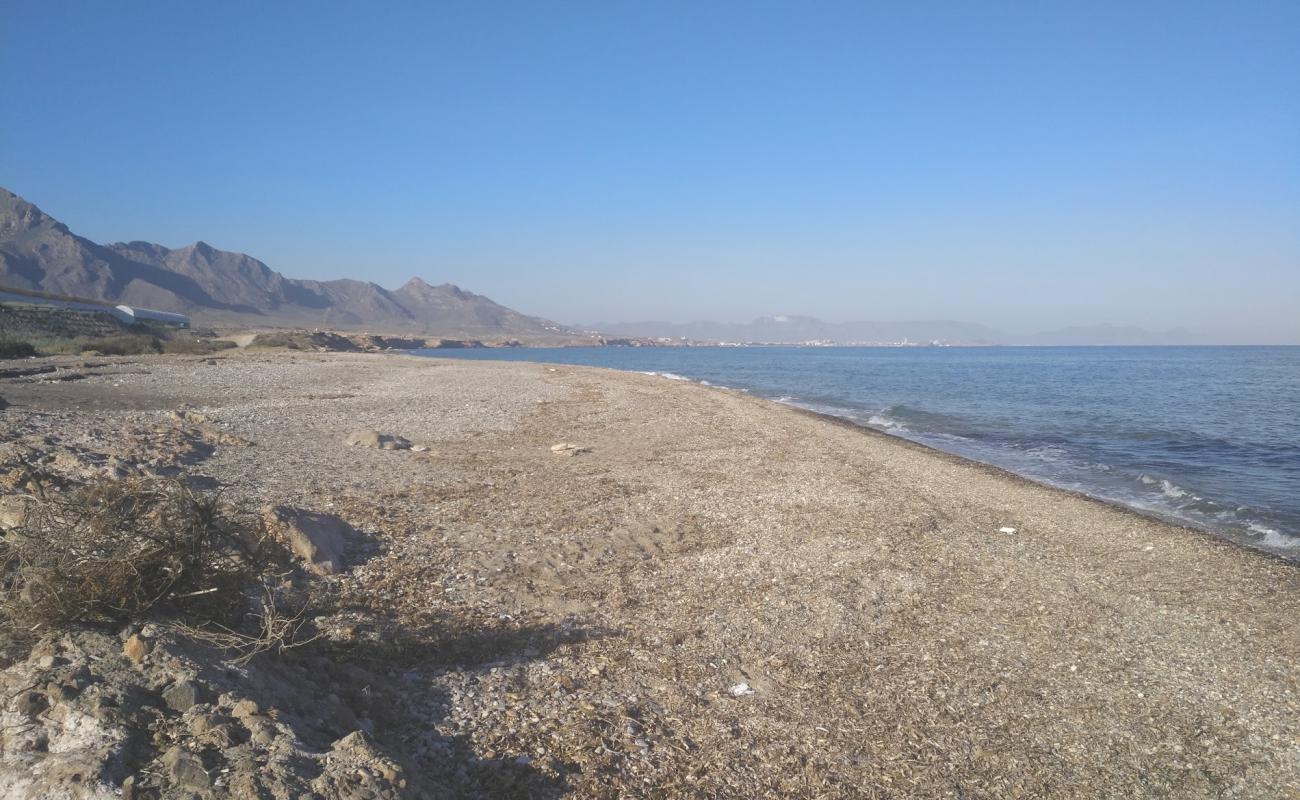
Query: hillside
[(39, 253)]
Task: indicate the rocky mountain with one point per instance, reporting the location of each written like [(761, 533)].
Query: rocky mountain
[(39, 253)]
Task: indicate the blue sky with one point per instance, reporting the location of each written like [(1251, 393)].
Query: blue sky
[(1026, 165)]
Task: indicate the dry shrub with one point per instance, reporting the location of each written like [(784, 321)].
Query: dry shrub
[(14, 347), (269, 628), (119, 549)]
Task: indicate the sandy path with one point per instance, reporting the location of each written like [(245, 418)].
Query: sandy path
[(890, 640)]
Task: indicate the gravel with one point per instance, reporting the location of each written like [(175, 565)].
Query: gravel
[(547, 626)]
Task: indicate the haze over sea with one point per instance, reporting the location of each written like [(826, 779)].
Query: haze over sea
[(1206, 436)]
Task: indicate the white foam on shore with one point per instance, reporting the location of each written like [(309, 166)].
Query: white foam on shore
[(672, 376), (1273, 538), (883, 421), (1161, 498)]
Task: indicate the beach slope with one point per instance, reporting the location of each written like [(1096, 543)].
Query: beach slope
[(711, 595)]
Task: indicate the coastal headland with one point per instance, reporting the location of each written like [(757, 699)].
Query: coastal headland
[(562, 581)]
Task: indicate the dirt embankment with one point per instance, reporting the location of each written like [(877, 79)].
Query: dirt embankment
[(704, 595)]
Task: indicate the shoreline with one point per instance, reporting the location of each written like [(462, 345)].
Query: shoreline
[(1230, 535), (1223, 536), (708, 595)]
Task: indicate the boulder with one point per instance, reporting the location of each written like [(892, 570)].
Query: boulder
[(320, 540), (376, 440)]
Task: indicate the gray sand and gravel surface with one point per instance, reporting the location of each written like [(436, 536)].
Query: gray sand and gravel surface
[(708, 595)]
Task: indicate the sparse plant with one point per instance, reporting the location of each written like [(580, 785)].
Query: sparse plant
[(113, 550), (125, 549), (12, 347), (269, 629)]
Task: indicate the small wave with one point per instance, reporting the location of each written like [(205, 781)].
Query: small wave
[(1047, 452), (1274, 538), (1172, 490), (882, 421), (672, 376)]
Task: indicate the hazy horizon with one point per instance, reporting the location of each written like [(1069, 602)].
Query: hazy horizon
[(1019, 167)]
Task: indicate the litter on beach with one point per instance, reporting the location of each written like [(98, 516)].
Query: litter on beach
[(1006, 530), (741, 689)]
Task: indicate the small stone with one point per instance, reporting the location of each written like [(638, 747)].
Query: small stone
[(59, 691), (376, 440), (357, 740), (137, 647), (261, 730), (186, 770), (13, 511), (181, 695), (244, 708), (30, 703)]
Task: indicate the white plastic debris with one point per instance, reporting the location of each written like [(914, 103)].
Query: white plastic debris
[(741, 689), (568, 449), (1006, 530)]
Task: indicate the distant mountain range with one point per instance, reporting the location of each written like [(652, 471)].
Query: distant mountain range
[(790, 329), (39, 253), (217, 287), (796, 329)]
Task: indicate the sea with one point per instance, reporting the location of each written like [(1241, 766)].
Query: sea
[(1208, 437)]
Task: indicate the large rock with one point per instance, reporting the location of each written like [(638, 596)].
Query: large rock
[(321, 540), (374, 439)]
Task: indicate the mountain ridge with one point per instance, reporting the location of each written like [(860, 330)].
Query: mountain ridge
[(40, 253)]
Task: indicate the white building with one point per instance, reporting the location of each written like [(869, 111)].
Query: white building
[(131, 314)]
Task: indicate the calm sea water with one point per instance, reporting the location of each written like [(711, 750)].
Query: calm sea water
[(1208, 436)]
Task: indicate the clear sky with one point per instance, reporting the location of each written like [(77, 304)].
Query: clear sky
[(1026, 165)]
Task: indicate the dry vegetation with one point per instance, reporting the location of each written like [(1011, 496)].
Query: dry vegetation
[(118, 550)]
